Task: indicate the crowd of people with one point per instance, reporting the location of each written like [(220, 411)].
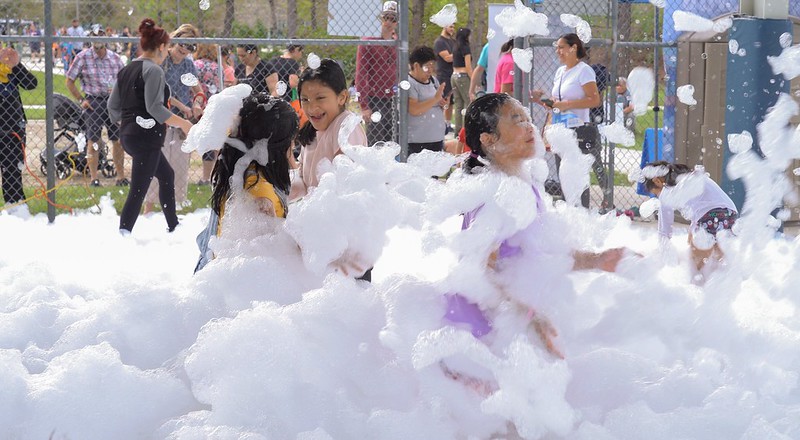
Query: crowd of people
[(140, 92)]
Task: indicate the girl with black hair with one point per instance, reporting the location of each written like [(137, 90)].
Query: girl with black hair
[(255, 162), (502, 137), (323, 96), (699, 200)]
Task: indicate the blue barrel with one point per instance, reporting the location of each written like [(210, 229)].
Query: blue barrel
[(751, 86)]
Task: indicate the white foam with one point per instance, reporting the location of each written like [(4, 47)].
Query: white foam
[(220, 118), (689, 22), (447, 16), (686, 94), (523, 58), (641, 83), (189, 80), (521, 21), (787, 63), (617, 133)]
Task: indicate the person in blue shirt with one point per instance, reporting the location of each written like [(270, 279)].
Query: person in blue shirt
[(479, 73)]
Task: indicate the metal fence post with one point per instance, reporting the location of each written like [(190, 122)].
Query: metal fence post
[(402, 75), (49, 111), (612, 105)]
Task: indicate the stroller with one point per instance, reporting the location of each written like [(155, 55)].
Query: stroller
[(68, 117)]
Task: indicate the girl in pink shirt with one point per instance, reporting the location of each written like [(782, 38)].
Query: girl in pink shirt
[(504, 74), (323, 95)]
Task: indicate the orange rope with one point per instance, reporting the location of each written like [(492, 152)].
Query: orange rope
[(43, 192)]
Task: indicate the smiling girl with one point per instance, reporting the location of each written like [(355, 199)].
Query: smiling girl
[(323, 95)]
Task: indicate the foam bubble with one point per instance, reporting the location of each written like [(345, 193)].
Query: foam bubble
[(686, 94), (447, 16), (281, 88), (189, 80), (145, 123), (522, 58), (313, 61)]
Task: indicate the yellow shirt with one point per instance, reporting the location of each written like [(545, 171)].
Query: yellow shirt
[(258, 187)]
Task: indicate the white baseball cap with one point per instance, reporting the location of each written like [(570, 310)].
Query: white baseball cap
[(389, 8)]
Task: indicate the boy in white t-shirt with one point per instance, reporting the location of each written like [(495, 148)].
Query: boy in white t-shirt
[(426, 127)]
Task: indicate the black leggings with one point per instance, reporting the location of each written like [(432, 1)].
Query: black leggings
[(10, 159), (148, 162)]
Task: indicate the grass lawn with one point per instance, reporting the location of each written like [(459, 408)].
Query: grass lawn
[(84, 197), (36, 96)]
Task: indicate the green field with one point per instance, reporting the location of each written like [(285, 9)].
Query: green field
[(82, 197), (36, 96)]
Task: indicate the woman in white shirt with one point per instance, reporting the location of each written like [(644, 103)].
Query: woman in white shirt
[(574, 93)]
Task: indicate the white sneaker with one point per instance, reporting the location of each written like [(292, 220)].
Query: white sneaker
[(20, 211)]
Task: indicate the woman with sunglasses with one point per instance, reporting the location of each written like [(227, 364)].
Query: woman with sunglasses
[(185, 100)]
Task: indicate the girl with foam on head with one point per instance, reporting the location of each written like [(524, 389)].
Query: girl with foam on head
[(502, 137), (699, 200), (253, 162), (323, 96)]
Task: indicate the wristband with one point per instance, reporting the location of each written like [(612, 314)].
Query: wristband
[(200, 95)]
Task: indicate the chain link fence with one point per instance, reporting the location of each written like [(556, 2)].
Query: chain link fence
[(40, 106), (635, 33), (624, 35), (229, 41)]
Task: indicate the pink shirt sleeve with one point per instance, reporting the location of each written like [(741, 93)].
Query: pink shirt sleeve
[(228, 74)]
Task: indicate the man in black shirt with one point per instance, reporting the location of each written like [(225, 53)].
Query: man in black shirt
[(444, 47), (285, 68)]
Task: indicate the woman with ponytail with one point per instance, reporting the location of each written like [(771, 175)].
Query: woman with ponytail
[(323, 96), (139, 100)]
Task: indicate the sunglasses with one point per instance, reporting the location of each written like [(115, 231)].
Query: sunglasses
[(190, 47), (389, 18)]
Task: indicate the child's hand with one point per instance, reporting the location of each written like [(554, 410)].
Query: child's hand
[(350, 264), (439, 93), (266, 206), (367, 115), (9, 57), (609, 259), (536, 96), (546, 333)]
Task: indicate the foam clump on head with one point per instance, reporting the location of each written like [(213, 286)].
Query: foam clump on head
[(219, 119)]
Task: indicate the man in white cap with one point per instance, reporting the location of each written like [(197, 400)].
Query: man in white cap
[(376, 76)]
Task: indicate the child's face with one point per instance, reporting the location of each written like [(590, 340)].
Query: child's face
[(621, 88), (659, 183), (321, 104), (424, 72)]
